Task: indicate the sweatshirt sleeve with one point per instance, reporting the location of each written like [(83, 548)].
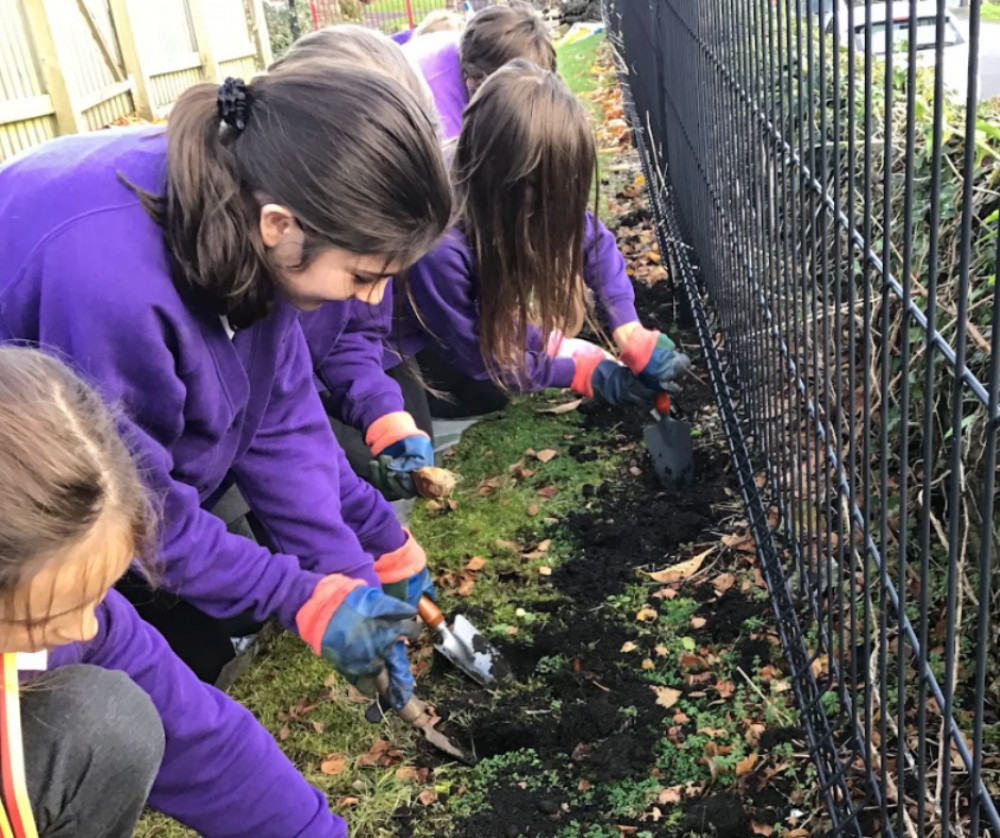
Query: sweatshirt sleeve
[(127, 347), (348, 363), (291, 474), (442, 286), (222, 773), (604, 273)]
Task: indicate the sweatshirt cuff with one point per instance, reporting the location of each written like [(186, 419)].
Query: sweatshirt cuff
[(582, 378), (402, 563), (561, 372), (639, 349), (314, 617), (390, 428)]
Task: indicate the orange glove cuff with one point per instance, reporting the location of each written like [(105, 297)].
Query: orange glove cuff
[(585, 366), (315, 615), (401, 563), (390, 428), (639, 349)]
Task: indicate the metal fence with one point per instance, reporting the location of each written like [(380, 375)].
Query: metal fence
[(827, 188)]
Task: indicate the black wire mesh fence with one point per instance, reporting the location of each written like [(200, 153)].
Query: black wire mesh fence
[(838, 183)]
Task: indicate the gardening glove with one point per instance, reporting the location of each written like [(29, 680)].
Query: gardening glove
[(653, 359), (356, 627), (609, 381), (398, 448), (400, 676), (403, 572)]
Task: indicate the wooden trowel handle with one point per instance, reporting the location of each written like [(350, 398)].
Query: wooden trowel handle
[(430, 613)]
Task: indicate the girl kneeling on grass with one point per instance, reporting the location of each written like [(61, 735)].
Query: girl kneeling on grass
[(171, 269), (516, 268), (110, 719)]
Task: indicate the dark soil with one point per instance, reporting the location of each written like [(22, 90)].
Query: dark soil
[(594, 720)]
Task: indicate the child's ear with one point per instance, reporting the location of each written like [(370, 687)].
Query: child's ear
[(276, 224)]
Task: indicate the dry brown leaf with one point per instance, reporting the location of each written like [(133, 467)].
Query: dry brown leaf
[(584, 785), (543, 546), (546, 454), (333, 765), (407, 774), (697, 662), (465, 586), (762, 828), (672, 794), (666, 697), (725, 688), (507, 546), (647, 664), (698, 622), (629, 646), (627, 830), (544, 571), (661, 651), (646, 615), (723, 582), (434, 483), (548, 492), (533, 509), (665, 593), (796, 833), (745, 766), (284, 733), (344, 802), (653, 256), (319, 727), (427, 797), (821, 666), (682, 571), (560, 409), (753, 733), (475, 563)]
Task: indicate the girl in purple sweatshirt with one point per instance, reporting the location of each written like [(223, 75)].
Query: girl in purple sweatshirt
[(171, 271), (106, 718), (478, 311)]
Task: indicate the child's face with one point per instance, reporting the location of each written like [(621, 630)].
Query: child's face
[(57, 604)]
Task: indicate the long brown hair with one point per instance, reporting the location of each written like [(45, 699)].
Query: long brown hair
[(522, 173), (499, 34), (64, 466), (348, 150)]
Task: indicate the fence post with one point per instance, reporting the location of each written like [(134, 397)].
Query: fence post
[(261, 36), (69, 116), (203, 37), (121, 18)]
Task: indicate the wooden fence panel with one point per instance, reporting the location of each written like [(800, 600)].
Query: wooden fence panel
[(79, 65)]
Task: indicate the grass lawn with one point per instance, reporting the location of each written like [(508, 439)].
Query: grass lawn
[(990, 11)]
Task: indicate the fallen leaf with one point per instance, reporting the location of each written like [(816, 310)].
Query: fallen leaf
[(475, 563), (646, 615), (381, 754), (333, 765), (284, 733), (693, 662), (723, 582), (796, 833), (627, 830), (745, 766), (647, 664), (466, 585), (559, 409), (543, 546), (581, 752), (753, 733), (427, 797), (666, 697), (762, 828), (544, 571), (725, 688), (348, 801), (433, 482), (406, 773), (546, 454), (533, 509), (669, 795), (741, 542), (584, 785), (319, 727), (681, 718), (506, 546), (548, 492), (511, 630), (698, 622), (821, 666), (653, 256), (661, 651), (679, 572), (629, 647)]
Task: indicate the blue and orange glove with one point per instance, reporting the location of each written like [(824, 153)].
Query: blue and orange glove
[(609, 381), (653, 358), (403, 572), (357, 628), (399, 448)]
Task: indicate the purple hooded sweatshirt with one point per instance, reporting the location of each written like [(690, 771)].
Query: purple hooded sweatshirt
[(84, 272), (436, 53), (222, 774), (444, 289)]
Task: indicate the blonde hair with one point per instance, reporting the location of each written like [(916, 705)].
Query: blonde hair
[(440, 20)]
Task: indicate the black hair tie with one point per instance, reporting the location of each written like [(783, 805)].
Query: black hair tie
[(234, 103)]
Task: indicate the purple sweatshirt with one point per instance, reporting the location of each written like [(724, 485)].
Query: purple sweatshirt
[(222, 773), (436, 53), (84, 272), (444, 288)]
